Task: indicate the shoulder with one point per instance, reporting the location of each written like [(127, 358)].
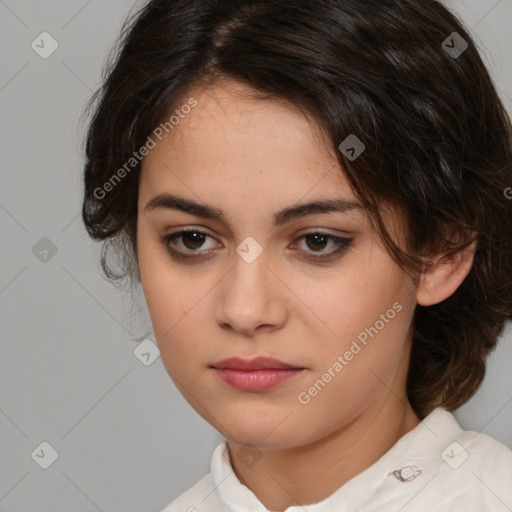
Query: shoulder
[(201, 497), (460, 470), (488, 460), (473, 473), (192, 500)]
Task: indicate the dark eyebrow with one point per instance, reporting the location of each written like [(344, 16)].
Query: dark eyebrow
[(281, 217)]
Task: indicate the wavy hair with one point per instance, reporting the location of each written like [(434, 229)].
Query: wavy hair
[(438, 141)]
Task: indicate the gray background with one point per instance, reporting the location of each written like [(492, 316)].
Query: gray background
[(126, 439)]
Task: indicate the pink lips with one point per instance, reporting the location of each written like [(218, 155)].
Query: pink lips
[(258, 374)]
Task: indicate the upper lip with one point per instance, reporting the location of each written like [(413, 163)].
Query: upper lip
[(257, 363)]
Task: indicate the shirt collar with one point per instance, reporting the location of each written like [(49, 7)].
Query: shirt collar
[(419, 449)]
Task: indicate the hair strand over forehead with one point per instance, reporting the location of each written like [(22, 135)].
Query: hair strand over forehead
[(438, 141)]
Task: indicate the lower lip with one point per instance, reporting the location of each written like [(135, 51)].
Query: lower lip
[(256, 380)]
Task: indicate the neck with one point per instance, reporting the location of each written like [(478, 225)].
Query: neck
[(308, 474)]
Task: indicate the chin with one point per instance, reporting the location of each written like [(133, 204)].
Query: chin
[(262, 441), (269, 434)]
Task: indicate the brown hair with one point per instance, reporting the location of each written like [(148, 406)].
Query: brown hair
[(438, 141)]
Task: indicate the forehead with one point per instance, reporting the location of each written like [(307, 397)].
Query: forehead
[(237, 108), (230, 134), (244, 155)]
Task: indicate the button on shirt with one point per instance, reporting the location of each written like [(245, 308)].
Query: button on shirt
[(437, 466)]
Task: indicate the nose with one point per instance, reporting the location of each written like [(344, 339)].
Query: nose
[(252, 298)]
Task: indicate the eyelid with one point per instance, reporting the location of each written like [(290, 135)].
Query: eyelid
[(325, 231), (306, 231), (341, 243)]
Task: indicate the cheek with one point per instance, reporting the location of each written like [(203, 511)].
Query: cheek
[(175, 332), (353, 299), (167, 306), (161, 290), (173, 308), (365, 313)]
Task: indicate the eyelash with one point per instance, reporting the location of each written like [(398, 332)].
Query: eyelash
[(342, 245)]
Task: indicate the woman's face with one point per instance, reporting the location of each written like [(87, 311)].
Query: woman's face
[(255, 285)]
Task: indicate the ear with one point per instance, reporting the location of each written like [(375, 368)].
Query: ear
[(444, 276)]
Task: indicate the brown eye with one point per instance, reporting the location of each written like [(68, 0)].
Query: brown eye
[(317, 241), (193, 239)]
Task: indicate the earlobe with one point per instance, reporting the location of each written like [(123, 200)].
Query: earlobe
[(444, 276)]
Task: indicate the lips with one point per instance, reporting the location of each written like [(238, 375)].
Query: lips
[(258, 363), (255, 375)]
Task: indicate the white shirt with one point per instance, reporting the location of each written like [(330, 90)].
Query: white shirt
[(445, 468)]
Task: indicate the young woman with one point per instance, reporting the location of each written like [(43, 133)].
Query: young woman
[(315, 199)]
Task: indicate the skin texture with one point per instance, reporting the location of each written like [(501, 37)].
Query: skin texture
[(252, 158)]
